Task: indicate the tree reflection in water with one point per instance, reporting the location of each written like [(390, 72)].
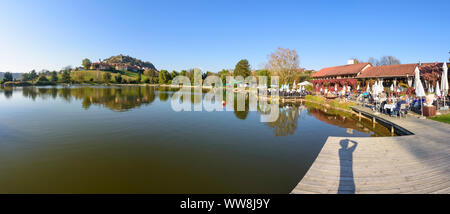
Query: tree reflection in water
[(114, 98), (287, 122), (126, 98)]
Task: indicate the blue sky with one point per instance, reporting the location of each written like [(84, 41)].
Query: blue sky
[(212, 35)]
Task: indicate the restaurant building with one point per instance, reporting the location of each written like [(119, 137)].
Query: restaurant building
[(339, 76), (362, 74)]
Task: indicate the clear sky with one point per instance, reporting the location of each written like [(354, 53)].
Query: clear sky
[(212, 35)]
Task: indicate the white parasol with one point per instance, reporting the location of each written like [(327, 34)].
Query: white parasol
[(419, 87), (438, 91), (420, 92), (444, 81)]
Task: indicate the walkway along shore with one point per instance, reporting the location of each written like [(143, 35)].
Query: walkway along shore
[(414, 163)]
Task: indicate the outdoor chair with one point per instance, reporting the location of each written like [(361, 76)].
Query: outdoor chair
[(403, 110)]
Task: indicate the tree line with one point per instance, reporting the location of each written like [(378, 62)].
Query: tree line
[(283, 62)]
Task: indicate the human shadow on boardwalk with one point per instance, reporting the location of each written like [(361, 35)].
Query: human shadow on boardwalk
[(346, 180)]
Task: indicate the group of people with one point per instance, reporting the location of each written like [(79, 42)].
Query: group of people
[(343, 94), (396, 106), (300, 92)]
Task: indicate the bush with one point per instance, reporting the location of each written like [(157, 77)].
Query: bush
[(42, 79)]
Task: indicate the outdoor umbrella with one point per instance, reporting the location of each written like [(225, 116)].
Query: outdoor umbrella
[(392, 88), (357, 87), (444, 81), (438, 91), (420, 92), (293, 86), (419, 87), (335, 87), (381, 87), (375, 88)]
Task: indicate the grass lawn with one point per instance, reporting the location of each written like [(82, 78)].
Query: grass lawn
[(332, 103), (442, 118)]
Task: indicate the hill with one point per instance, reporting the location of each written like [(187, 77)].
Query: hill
[(130, 61)]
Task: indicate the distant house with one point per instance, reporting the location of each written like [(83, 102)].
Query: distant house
[(126, 67), (100, 66)]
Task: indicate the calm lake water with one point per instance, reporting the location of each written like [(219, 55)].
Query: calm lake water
[(129, 140)]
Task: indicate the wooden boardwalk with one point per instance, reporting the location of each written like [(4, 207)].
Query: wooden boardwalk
[(417, 163)]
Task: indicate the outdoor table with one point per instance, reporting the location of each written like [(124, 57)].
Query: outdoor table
[(391, 107)]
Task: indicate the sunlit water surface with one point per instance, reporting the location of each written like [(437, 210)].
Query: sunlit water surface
[(129, 140)]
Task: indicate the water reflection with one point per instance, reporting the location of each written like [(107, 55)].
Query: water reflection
[(114, 98), (287, 122), (126, 98)]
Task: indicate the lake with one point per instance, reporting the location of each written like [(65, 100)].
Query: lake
[(94, 139)]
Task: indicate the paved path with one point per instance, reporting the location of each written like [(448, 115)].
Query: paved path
[(418, 163)]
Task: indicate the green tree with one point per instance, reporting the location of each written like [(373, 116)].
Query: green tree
[(173, 74), (195, 74), (183, 73), (118, 78), (107, 77), (152, 75), (42, 79), (139, 78), (54, 76), (8, 77), (264, 73), (66, 76), (223, 75), (164, 77), (33, 75), (242, 69), (26, 77), (86, 63)]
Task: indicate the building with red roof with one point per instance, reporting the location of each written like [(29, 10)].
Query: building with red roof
[(339, 76), (354, 74)]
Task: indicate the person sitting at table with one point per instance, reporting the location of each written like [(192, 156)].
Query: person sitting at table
[(382, 106), (397, 108)]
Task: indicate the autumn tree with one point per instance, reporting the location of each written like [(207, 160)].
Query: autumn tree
[(285, 64)]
